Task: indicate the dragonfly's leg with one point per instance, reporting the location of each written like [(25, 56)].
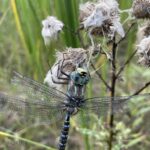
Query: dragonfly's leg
[(59, 72), (61, 68), (57, 82)]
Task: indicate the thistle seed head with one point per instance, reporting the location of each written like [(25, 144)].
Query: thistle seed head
[(67, 61), (146, 29), (75, 56), (144, 52), (51, 28), (51, 76), (101, 18), (86, 10), (143, 31), (141, 9)]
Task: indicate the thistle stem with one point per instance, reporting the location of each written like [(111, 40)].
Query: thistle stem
[(113, 86), (132, 25), (100, 76), (125, 64), (142, 88)]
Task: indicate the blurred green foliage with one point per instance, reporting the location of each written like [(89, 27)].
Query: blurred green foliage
[(22, 48)]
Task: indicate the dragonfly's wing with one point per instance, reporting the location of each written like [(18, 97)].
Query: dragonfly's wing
[(31, 110), (103, 105), (37, 90)]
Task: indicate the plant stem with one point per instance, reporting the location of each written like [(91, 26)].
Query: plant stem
[(113, 85), (16, 137), (142, 88), (100, 76), (127, 32), (125, 64)]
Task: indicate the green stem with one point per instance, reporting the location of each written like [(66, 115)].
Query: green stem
[(16, 137)]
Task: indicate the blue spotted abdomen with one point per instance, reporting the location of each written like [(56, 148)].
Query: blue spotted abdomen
[(64, 133)]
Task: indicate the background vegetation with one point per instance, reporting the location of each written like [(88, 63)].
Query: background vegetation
[(22, 48)]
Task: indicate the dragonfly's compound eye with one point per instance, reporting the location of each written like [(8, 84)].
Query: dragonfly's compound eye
[(83, 74), (81, 71)]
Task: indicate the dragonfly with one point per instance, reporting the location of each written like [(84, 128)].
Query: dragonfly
[(51, 104)]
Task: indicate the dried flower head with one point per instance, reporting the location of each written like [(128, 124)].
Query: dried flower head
[(86, 10), (143, 31), (51, 76), (76, 56), (144, 51), (51, 27), (141, 9), (102, 19), (67, 61), (147, 30)]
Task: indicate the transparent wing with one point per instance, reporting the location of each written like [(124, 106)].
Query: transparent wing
[(36, 90), (31, 110), (103, 105), (33, 101)]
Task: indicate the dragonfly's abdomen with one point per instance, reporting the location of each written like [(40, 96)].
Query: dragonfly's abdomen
[(64, 133)]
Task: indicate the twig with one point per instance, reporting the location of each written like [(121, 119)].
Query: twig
[(100, 76), (113, 86), (141, 89), (126, 63), (132, 25)]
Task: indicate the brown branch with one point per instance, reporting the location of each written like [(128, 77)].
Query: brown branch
[(141, 89), (113, 87), (100, 76), (125, 64)]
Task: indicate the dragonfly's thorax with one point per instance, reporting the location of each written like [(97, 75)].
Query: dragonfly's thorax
[(77, 83), (74, 104)]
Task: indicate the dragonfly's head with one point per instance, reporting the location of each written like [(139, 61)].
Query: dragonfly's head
[(80, 76)]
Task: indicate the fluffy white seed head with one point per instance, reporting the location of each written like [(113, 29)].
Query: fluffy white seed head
[(144, 51), (102, 19), (67, 60), (52, 73), (86, 10), (74, 57), (143, 31), (51, 28), (111, 3), (97, 17), (118, 27)]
